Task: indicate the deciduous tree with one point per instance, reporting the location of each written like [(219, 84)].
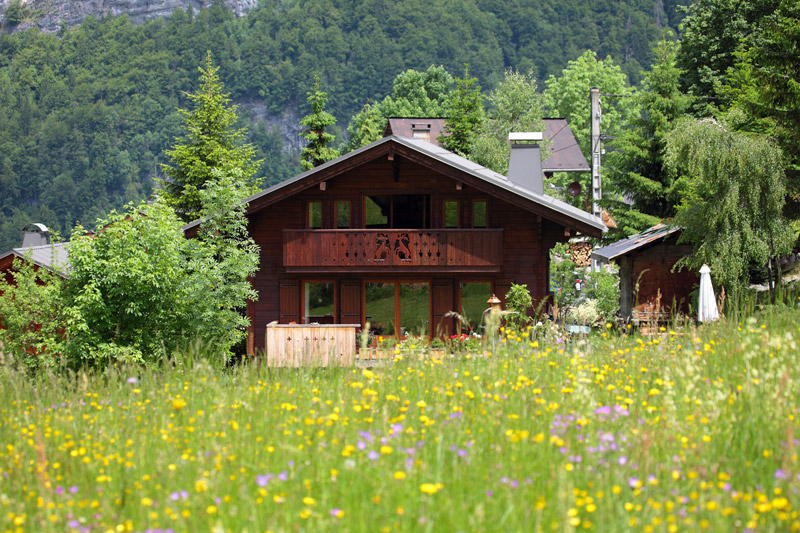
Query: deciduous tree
[(513, 106), (466, 114)]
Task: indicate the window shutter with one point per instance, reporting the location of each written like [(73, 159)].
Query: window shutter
[(290, 301)]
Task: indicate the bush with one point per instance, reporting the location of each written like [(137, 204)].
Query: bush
[(518, 301)]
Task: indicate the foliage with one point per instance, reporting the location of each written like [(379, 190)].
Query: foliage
[(567, 96), (713, 31), (690, 425), (139, 289), (88, 113), (209, 143), (518, 302), (563, 274), (764, 86), (317, 151), (732, 211), (16, 12), (32, 315), (365, 127), (585, 314), (640, 191), (465, 116), (414, 94), (513, 106), (602, 286)]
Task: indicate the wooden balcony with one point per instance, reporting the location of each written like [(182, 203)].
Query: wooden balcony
[(397, 250)]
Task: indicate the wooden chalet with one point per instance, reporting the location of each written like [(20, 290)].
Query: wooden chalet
[(400, 233)]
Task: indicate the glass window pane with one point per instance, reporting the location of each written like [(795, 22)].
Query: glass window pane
[(479, 214), (319, 303), (451, 214), (377, 211), (342, 215), (415, 309), (315, 214), (410, 211), (474, 295), (379, 299)]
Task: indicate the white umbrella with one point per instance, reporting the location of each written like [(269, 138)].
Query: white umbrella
[(708, 302)]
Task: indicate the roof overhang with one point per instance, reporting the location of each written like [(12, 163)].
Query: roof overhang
[(436, 158)]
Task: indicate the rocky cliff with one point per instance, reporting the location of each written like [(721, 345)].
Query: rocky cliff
[(49, 15)]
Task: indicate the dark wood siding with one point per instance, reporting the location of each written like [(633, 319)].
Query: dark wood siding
[(526, 240)]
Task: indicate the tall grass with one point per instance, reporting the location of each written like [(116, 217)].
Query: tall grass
[(694, 428)]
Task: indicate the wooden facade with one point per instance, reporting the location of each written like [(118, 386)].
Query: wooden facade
[(649, 288), (464, 229)]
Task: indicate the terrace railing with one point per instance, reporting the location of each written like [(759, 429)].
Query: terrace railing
[(476, 249)]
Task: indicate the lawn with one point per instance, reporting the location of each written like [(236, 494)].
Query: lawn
[(688, 429)]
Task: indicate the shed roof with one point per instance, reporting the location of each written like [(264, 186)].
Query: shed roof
[(53, 257), (580, 219), (564, 153), (635, 242)]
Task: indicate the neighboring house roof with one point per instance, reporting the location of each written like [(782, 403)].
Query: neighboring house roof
[(635, 242), (53, 257), (424, 152), (564, 153)]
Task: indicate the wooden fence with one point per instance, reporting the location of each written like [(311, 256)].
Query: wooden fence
[(296, 345)]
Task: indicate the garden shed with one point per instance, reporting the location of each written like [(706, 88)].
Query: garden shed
[(649, 288)]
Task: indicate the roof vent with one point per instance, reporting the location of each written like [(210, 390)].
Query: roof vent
[(35, 235), (421, 131), (525, 163)]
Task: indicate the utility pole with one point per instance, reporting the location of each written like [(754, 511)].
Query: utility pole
[(596, 153)]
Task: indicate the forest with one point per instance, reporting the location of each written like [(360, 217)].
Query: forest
[(88, 112)]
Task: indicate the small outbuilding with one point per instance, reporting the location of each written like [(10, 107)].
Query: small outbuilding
[(649, 288)]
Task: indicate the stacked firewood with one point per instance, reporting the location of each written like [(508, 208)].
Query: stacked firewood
[(580, 253)]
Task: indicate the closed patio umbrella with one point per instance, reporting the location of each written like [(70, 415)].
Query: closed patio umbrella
[(708, 302)]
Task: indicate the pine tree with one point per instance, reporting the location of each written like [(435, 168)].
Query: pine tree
[(646, 192), (210, 143), (317, 152), (466, 115)]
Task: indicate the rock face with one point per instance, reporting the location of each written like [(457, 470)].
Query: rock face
[(49, 15)]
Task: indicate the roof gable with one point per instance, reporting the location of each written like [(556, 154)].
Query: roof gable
[(444, 161)]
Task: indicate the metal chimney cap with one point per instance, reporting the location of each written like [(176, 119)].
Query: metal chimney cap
[(36, 227), (523, 136)]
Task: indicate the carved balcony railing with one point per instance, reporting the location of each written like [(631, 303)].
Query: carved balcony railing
[(367, 249)]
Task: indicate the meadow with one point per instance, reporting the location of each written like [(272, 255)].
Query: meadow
[(692, 428)]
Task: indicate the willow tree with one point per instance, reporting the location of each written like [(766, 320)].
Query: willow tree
[(732, 212)]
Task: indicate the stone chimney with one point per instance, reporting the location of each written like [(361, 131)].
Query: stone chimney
[(525, 163), (35, 235)]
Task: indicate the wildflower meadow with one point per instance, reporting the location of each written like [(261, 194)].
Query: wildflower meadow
[(692, 428)]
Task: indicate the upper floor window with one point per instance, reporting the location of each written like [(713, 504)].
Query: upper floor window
[(479, 214), (343, 215), (451, 217), (402, 211), (314, 214)]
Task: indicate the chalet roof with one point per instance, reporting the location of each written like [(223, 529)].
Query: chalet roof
[(635, 242), (564, 153), (426, 152), (53, 257)]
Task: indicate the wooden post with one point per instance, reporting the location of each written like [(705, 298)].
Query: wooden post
[(625, 288)]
